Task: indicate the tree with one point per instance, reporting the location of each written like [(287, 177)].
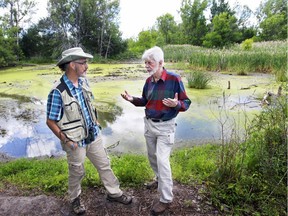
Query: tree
[(274, 27), (272, 16), (220, 6), (146, 39), (7, 45), (40, 41), (167, 26), (194, 21), (19, 12), (225, 31), (89, 23), (246, 27)]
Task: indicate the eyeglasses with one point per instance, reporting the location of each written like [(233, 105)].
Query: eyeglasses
[(81, 63)]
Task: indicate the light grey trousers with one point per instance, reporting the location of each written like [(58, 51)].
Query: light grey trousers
[(97, 154), (159, 141)]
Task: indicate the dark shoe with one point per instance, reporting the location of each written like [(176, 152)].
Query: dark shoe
[(160, 208), (124, 199), (78, 207), (152, 185)]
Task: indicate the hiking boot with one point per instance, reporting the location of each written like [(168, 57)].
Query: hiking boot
[(124, 199), (151, 185), (78, 207), (160, 208)]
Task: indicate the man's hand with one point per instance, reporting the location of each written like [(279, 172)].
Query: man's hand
[(169, 102), (71, 144), (127, 97)]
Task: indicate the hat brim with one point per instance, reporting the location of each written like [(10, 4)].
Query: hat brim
[(70, 58)]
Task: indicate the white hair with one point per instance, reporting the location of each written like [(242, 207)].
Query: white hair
[(155, 53)]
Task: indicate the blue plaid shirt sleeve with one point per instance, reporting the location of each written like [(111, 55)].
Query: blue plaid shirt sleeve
[(54, 106)]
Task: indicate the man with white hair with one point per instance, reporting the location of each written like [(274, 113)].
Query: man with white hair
[(164, 97), (73, 119)]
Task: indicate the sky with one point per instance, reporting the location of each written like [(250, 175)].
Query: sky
[(138, 15)]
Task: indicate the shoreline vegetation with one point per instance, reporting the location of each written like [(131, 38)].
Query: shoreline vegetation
[(240, 176)]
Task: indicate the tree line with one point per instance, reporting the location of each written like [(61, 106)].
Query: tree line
[(94, 25)]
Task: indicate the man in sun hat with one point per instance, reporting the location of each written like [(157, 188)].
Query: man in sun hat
[(73, 119), (73, 54)]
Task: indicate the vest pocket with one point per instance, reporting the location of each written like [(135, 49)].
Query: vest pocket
[(72, 111), (75, 132)]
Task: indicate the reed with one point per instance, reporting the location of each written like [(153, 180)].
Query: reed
[(263, 57)]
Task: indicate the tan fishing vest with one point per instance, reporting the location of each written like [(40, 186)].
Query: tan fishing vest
[(73, 123)]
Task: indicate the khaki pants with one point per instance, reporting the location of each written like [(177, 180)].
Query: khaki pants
[(159, 141), (97, 154)]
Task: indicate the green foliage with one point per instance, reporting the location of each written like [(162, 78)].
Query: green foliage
[(254, 180), (7, 46), (195, 164), (198, 79), (274, 27), (167, 26), (194, 21), (225, 31), (132, 170), (272, 15), (51, 175), (220, 6), (146, 40), (247, 44), (47, 175)]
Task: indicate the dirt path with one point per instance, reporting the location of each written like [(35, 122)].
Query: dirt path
[(188, 201)]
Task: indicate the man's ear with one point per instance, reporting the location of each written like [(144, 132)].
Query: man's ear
[(161, 63), (72, 64)]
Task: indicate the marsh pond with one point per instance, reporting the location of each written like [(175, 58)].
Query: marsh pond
[(24, 90)]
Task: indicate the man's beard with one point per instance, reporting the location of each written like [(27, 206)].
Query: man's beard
[(153, 71)]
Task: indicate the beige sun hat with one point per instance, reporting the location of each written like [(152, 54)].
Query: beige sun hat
[(72, 55)]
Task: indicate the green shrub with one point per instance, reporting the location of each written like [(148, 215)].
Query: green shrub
[(247, 44), (198, 79)]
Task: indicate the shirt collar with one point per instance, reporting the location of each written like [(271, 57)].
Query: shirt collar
[(163, 76), (70, 84)]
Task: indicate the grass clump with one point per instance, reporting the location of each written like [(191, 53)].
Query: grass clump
[(198, 79)]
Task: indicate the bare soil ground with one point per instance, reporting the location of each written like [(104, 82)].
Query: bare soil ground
[(187, 201)]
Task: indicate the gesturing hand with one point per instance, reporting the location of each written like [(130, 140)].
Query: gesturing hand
[(171, 102), (127, 97)]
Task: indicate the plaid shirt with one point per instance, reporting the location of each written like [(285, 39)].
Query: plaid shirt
[(154, 92), (55, 104)]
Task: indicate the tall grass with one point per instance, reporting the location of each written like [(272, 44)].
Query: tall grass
[(264, 57)]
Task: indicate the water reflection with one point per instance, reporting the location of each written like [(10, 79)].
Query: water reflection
[(24, 132)]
